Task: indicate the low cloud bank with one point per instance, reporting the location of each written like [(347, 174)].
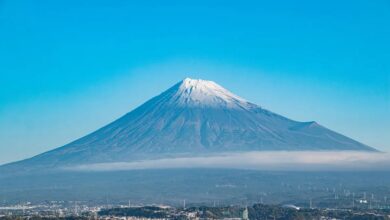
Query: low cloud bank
[(264, 160)]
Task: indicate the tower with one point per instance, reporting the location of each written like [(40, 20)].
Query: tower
[(245, 214)]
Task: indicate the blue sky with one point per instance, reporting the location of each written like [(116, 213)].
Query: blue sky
[(69, 67)]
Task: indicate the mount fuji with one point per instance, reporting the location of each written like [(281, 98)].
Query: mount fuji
[(193, 117)]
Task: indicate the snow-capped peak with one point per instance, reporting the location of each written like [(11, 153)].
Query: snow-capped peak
[(198, 92)]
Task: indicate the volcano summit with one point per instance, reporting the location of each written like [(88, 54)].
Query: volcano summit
[(193, 117)]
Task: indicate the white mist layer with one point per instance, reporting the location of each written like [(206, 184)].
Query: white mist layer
[(268, 160)]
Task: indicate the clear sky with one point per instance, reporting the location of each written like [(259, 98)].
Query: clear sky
[(69, 67)]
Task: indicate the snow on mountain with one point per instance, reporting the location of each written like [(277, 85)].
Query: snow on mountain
[(198, 92), (194, 117)]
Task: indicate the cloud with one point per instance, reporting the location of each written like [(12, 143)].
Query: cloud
[(264, 160)]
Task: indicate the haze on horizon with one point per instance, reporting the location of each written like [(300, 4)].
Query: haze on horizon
[(68, 68)]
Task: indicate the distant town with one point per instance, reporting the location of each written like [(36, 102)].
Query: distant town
[(88, 210)]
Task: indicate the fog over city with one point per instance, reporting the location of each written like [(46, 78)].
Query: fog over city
[(268, 160)]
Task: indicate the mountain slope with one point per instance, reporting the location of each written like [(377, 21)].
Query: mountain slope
[(193, 117)]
